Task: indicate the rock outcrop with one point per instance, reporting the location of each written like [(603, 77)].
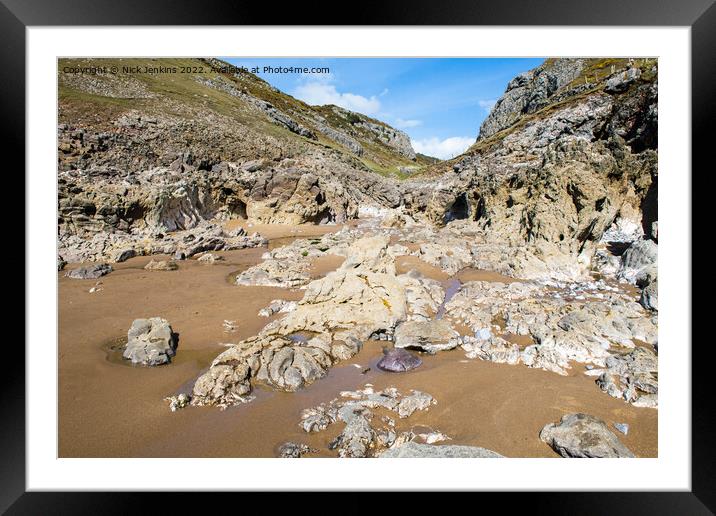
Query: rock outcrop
[(557, 198), (529, 92), (362, 435)]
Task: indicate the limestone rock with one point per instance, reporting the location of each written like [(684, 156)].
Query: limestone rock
[(632, 377), (150, 342), (429, 336), (413, 450), (124, 255), (582, 435), (290, 450), (161, 265), (363, 435), (90, 271), (637, 258), (209, 258)]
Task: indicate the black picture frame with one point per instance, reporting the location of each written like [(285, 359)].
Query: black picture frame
[(17, 15)]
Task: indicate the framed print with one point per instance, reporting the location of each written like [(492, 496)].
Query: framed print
[(423, 242)]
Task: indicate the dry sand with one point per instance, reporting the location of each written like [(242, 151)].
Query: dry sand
[(109, 409)]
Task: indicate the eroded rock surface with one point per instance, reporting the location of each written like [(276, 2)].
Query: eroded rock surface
[(413, 450), (150, 342), (365, 433), (583, 436), (89, 271)]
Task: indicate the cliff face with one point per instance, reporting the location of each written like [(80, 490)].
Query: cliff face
[(529, 92), (146, 153), (568, 154), (567, 159)]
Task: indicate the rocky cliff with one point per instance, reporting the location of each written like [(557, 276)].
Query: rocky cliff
[(567, 159), (566, 162)]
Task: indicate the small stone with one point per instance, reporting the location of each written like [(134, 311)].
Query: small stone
[(622, 427), (178, 402)]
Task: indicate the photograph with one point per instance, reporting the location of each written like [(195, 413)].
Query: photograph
[(357, 257)]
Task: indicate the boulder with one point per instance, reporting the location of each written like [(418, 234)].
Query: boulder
[(649, 298), (581, 435), (90, 271), (398, 360), (429, 336), (150, 342), (640, 256), (125, 255), (413, 450)]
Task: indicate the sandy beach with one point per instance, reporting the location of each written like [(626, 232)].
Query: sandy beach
[(111, 409)]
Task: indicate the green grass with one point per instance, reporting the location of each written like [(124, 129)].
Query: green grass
[(180, 95)]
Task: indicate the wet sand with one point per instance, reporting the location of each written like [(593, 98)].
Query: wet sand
[(109, 409), (275, 232)]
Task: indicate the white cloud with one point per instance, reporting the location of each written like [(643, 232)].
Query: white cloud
[(443, 149), (319, 93), (384, 92), (404, 124), (487, 105)]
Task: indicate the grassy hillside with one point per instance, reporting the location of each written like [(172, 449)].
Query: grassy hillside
[(193, 89)]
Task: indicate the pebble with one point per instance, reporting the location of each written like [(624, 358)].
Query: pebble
[(622, 427)]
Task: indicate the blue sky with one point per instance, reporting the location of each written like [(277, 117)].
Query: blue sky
[(439, 102)]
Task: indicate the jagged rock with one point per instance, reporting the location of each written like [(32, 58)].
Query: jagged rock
[(582, 435), (357, 436), (60, 263), (528, 92), (125, 255), (291, 450), (416, 401), (632, 377), (413, 450), (361, 436), (209, 258), (399, 360), (492, 348), (90, 271), (161, 265), (278, 306), (150, 342), (621, 81), (429, 336), (178, 402), (222, 385), (637, 258), (650, 296)]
